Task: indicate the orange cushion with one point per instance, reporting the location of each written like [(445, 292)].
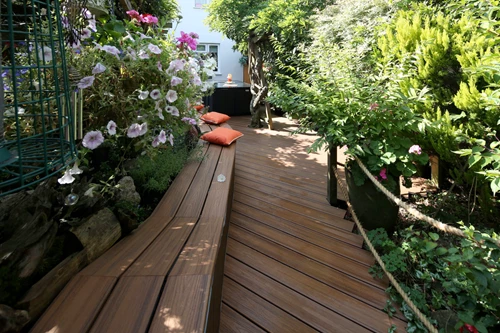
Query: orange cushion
[(199, 107), (215, 118), (222, 136)]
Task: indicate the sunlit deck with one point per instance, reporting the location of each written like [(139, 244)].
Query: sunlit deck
[(293, 263)]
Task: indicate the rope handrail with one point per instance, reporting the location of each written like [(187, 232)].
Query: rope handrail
[(433, 222), (393, 281)]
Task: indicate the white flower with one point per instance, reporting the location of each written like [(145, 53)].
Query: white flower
[(92, 140), (99, 68), (97, 46), (90, 192), (159, 66), (143, 94), (92, 25), (208, 72), (143, 55), (154, 49), (197, 81), (129, 37), (86, 33), (20, 111), (43, 11), (172, 110), (144, 129), (111, 127), (86, 82), (134, 131), (45, 53), (67, 178), (171, 96), (155, 142), (75, 170), (131, 53), (171, 139), (162, 137), (160, 114), (194, 64), (155, 94)]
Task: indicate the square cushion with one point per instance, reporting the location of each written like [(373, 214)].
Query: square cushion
[(222, 136), (199, 107), (215, 118)]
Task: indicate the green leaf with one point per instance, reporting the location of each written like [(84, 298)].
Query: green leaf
[(388, 158), (495, 185), (440, 251), (430, 246), (473, 159), (433, 236)]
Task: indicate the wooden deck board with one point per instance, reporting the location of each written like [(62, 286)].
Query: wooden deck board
[(288, 250)]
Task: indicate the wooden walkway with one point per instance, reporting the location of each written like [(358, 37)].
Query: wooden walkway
[(293, 263)]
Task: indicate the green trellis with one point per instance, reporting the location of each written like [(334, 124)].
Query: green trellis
[(36, 129)]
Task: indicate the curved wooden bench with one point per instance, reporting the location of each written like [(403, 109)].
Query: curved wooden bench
[(167, 275)]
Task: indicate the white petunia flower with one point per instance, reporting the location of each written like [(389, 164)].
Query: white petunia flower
[(171, 96), (99, 68), (67, 178), (45, 53), (143, 94), (155, 94), (111, 127), (75, 170), (154, 49)]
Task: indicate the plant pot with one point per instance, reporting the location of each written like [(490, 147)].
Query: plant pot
[(373, 208)]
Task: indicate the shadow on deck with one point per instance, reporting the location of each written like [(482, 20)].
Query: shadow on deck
[(293, 263)]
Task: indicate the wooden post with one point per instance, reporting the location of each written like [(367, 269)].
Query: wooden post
[(332, 179), (435, 171)]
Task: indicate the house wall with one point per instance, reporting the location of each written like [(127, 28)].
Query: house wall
[(193, 21)]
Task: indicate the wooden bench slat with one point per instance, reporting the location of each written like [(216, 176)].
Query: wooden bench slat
[(195, 198), (130, 306), (162, 253), (76, 306), (188, 315), (117, 259), (200, 252)]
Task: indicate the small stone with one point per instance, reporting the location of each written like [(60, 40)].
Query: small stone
[(127, 192)]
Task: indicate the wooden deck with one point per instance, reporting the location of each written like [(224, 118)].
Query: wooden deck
[(293, 264)]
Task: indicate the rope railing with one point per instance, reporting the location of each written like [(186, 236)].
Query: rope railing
[(393, 281), (433, 222)]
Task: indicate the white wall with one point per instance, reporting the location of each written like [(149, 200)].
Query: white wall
[(193, 21)]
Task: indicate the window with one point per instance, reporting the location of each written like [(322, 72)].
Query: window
[(210, 49), (200, 3)]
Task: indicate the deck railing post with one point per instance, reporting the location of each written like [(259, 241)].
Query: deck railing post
[(332, 180)]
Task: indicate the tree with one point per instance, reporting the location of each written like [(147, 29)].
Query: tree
[(271, 31)]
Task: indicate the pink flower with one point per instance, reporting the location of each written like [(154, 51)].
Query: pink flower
[(415, 149), (175, 81), (162, 137), (134, 131), (188, 120), (111, 127), (148, 19), (172, 110), (194, 35), (374, 106), (93, 139), (187, 39), (171, 96), (86, 82), (154, 49), (176, 65), (383, 173), (133, 14)]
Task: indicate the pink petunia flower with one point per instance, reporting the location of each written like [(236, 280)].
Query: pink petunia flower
[(175, 81), (172, 110), (154, 49), (133, 14), (92, 140), (162, 137), (155, 94), (134, 130), (86, 82), (111, 127), (415, 149), (149, 19), (99, 68), (383, 173), (171, 96)]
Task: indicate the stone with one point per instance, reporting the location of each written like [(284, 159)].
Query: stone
[(128, 219), (98, 233), (127, 192), (12, 321), (41, 294), (446, 319)]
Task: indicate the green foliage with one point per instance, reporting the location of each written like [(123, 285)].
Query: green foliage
[(166, 9), (154, 175), (462, 275)]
